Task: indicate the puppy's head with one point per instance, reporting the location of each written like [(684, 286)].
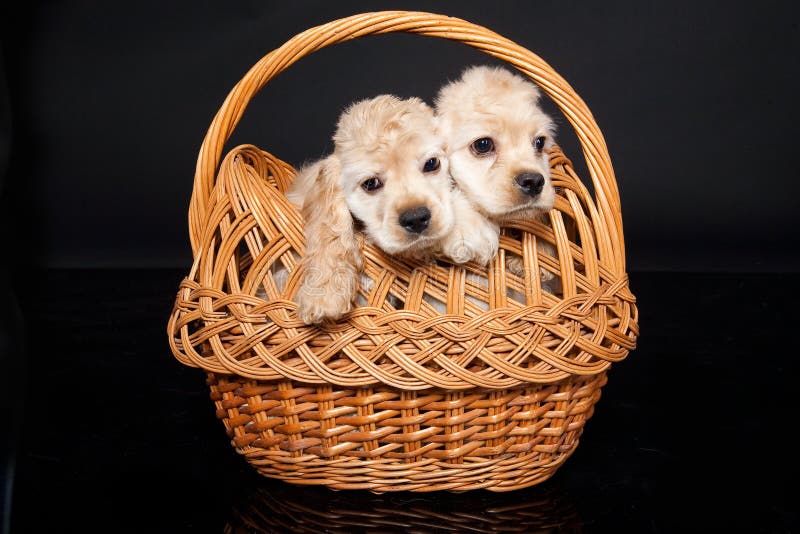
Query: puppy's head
[(394, 174), (497, 141)]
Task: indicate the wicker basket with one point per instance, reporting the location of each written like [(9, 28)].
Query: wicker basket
[(403, 399)]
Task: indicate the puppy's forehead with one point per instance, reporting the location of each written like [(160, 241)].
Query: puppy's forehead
[(482, 85), (388, 158), (502, 119), (513, 108), (385, 120), (485, 92), (384, 133)]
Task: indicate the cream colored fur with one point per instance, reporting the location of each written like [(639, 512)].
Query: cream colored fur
[(389, 139), (491, 102)]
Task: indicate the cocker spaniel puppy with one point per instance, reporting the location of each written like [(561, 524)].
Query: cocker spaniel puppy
[(498, 138), (387, 183)]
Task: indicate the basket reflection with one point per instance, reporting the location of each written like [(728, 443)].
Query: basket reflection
[(289, 509)]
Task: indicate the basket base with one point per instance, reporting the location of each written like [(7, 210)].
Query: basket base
[(508, 473), (384, 440)]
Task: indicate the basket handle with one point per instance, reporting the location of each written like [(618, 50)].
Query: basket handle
[(611, 247)]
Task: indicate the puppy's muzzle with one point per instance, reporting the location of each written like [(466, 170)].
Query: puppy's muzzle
[(530, 183), (415, 220)]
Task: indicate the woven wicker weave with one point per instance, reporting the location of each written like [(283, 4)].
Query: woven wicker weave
[(403, 399)]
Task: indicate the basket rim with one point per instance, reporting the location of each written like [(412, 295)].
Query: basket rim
[(578, 333)]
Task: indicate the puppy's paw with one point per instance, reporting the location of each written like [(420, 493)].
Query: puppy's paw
[(476, 242), (314, 309), (545, 275), (515, 265), (326, 296)]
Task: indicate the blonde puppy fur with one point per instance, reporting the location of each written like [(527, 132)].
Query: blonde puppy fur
[(498, 140), (386, 182)]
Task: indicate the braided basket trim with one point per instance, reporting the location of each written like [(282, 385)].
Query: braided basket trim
[(220, 325)]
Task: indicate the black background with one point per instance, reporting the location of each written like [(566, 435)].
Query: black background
[(697, 102), (103, 107)]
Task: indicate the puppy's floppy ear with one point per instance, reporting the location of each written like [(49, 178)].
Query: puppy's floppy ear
[(332, 259)]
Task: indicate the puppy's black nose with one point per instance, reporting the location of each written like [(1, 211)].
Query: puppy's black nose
[(415, 220), (531, 183)]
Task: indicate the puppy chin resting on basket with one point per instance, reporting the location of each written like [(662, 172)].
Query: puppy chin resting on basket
[(497, 139), (388, 172)]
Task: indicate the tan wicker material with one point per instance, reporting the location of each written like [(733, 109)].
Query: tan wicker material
[(403, 399)]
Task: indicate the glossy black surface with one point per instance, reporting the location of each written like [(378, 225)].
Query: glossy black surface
[(692, 432)]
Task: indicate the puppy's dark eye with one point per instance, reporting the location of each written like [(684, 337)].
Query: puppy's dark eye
[(431, 165), (539, 143), (371, 184), (482, 146)]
